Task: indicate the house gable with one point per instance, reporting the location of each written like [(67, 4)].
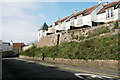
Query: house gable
[(108, 6)]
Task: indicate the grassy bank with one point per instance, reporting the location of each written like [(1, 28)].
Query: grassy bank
[(98, 48)]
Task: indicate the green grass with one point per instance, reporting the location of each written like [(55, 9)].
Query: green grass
[(97, 48)]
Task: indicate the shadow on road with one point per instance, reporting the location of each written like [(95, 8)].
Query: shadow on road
[(14, 69)]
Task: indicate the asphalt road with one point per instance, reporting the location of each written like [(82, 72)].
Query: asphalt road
[(15, 69)]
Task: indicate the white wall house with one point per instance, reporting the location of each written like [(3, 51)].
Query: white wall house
[(42, 31), (85, 17), (110, 12), (92, 16), (5, 46)]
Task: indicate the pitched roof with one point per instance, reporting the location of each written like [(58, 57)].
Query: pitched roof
[(62, 19), (44, 27), (85, 12), (79, 13), (17, 45), (108, 6), (76, 15), (89, 10)]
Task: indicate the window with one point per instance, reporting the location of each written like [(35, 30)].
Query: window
[(72, 22), (111, 12), (80, 20), (108, 14)]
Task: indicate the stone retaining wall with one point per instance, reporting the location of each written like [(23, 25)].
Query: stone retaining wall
[(100, 64), (71, 35)]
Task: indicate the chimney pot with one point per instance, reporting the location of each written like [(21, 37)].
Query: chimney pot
[(58, 18), (100, 1), (106, 2), (75, 11)]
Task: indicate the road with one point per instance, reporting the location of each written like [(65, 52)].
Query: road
[(16, 69)]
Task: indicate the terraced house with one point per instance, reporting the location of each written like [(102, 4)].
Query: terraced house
[(93, 16)]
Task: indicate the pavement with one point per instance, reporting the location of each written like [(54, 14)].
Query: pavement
[(16, 68)]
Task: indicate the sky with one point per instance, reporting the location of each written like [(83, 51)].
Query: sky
[(20, 20)]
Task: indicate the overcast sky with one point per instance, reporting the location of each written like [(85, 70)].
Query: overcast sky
[(21, 20)]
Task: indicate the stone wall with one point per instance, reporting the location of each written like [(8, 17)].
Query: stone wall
[(71, 35), (50, 40), (100, 64)]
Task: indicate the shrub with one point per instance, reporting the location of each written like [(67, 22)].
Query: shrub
[(77, 37), (98, 32), (81, 37), (98, 48), (116, 25)]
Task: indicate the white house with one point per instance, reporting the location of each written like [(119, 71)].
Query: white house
[(42, 31), (110, 12), (5, 46), (80, 19), (87, 18)]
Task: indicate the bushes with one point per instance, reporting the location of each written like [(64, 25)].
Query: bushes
[(98, 32), (81, 38), (97, 48), (116, 25)]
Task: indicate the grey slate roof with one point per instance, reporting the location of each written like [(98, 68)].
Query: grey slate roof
[(44, 27)]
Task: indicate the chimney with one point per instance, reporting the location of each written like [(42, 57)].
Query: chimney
[(100, 1), (75, 11), (106, 2), (11, 43), (58, 18)]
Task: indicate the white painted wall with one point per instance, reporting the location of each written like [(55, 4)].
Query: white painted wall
[(67, 25), (115, 17), (119, 13), (103, 16), (95, 11), (41, 33), (26, 47)]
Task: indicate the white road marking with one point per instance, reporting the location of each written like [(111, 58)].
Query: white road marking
[(91, 75)]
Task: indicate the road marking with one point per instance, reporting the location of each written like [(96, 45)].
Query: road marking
[(46, 64), (91, 72), (91, 75)]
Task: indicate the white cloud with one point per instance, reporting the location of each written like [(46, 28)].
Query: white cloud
[(20, 20), (42, 16), (19, 25)]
